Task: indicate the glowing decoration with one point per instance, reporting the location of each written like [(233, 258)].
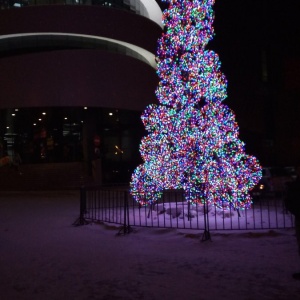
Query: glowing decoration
[(192, 142)]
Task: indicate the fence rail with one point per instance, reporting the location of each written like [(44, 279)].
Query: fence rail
[(117, 206)]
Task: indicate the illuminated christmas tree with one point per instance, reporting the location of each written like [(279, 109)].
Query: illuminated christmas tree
[(193, 139)]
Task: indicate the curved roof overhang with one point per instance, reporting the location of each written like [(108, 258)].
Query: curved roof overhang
[(37, 41), (146, 8), (149, 9)]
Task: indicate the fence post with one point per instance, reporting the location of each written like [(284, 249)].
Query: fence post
[(126, 227), (206, 233), (81, 220)]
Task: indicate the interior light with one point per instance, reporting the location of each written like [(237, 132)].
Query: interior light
[(40, 119), (110, 113), (16, 109), (118, 149), (13, 115), (85, 107), (44, 113)]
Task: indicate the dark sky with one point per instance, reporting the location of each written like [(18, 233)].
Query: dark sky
[(252, 21), (245, 30), (251, 35)]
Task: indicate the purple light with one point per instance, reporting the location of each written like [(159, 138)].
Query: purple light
[(192, 142)]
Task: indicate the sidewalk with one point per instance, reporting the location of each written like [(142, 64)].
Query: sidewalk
[(42, 256)]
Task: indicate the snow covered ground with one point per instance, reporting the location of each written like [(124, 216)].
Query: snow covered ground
[(42, 256)]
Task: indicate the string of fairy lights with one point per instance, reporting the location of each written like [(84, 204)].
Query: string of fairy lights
[(193, 139)]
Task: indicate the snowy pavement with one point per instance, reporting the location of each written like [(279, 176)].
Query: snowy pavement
[(42, 256)]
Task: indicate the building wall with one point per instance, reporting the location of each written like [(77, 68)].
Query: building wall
[(52, 61), (87, 20), (75, 76)]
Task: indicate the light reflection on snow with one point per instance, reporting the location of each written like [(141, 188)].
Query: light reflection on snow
[(268, 213)]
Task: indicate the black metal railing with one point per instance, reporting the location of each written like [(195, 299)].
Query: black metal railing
[(117, 206)]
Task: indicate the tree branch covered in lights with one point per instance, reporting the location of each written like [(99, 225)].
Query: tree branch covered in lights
[(193, 139)]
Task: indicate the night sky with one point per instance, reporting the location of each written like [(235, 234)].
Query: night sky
[(244, 28), (258, 42)]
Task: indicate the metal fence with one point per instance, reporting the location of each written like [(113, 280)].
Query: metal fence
[(113, 205)]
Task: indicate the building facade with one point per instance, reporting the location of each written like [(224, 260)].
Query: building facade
[(74, 79), (73, 72)]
